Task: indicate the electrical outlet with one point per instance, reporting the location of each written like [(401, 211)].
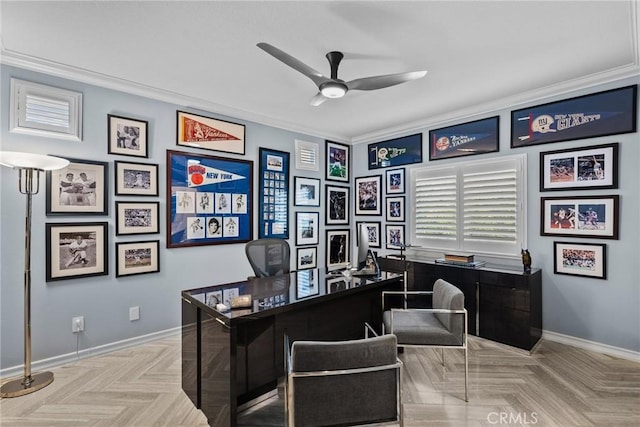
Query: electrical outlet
[(134, 313), (77, 324)]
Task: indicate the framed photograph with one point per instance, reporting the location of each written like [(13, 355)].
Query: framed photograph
[(307, 191), (137, 218), (136, 179), (307, 228), (274, 194), (395, 181), (395, 236), (307, 284), (338, 244), (396, 152), (337, 284), (580, 216), (611, 112), (587, 168), (580, 259), (338, 162), (373, 231), (198, 131), (395, 208), (209, 200), (78, 189), (137, 258), (477, 137), (307, 258), (337, 205), (368, 200), (128, 137), (76, 250)]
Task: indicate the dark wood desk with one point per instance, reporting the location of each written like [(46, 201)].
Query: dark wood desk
[(230, 358)]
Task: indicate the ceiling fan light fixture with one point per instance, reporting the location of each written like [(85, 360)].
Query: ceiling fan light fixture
[(333, 89)]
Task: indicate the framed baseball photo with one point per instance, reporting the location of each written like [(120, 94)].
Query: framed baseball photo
[(75, 250), (307, 191), (137, 258), (139, 218), (307, 258), (78, 189), (128, 137), (136, 179)]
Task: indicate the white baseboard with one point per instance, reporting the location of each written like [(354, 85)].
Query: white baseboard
[(69, 358), (591, 345)]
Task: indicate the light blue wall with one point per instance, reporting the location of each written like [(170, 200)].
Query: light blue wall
[(605, 312), (104, 301)]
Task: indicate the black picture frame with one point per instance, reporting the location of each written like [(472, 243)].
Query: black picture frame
[(373, 231), (395, 208), (395, 236), (127, 136), (137, 218), (586, 168), (580, 259), (134, 258), (136, 179), (307, 258), (307, 283), (395, 181), (368, 195), (580, 216), (465, 139), (71, 193), (337, 205), (76, 250), (274, 194), (338, 244), (307, 228), (610, 112), (307, 191), (338, 167)]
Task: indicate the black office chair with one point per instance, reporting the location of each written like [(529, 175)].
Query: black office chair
[(269, 257), (340, 383)]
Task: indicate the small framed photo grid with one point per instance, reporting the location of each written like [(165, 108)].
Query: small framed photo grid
[(141, 218), (368, 192), (394, 236), (395, 182), (395, 208), (134, 258), (307, 258), (128, 137), (580, 259), (337, 205), (136, 179)]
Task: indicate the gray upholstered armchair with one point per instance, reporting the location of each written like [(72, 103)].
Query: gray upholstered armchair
[(269, 257), (442, 326), (343, 382)]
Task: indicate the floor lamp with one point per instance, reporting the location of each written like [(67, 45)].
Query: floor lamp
[(29, 166)]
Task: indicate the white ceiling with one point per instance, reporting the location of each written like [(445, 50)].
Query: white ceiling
[(480, 55)]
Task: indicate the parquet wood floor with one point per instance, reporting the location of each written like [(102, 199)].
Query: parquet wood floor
[(558, 385)]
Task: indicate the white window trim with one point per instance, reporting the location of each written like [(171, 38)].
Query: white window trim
[(20, 89), (437, 251)]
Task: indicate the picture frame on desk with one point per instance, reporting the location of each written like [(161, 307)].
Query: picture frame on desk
[(580, 259)]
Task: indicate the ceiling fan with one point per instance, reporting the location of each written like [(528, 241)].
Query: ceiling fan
[(334, 87)]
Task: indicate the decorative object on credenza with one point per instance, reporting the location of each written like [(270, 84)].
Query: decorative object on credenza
[(396, 152), (80, 188), (526, 260), (586, 168), (611, 112), (580, 216), (29, 167), (273, 195), (477, 137), (580, 259), (194, 130), (128, 137)]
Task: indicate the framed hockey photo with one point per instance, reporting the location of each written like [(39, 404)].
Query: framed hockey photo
[(395, 208), (307, 191), (138, 218), (198, 131), (307, 258), (338, 244), (580, 259), (137, 258), (373, 231), (368, 195), (338, 162), (587, 168), (337, 205), (128, 137), (580, 216), (75, 250), (136, 179), (307, 228), (395, 183), (78, 189)]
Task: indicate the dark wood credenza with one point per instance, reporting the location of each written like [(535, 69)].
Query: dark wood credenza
[(503, 305)]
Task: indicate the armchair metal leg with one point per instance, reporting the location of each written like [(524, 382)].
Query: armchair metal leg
[(442, 356), (466, 376)]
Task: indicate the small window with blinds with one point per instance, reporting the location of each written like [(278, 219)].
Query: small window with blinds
[(45, 110), (475, 207), (307, 155)]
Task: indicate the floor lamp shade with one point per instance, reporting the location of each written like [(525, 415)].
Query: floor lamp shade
[(28, 165)]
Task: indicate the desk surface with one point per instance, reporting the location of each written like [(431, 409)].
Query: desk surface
[(281, 293)]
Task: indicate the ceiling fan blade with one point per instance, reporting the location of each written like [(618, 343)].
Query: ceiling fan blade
[(318, 99), (380, 82), (294, 63)]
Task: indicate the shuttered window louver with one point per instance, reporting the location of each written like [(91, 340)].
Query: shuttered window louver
[(307, 157), (473, 207), (45, 111)]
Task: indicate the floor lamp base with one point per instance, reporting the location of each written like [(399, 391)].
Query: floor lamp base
[(15, 388)]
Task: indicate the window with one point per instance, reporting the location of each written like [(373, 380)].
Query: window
[(45, 111), (474, 207), (307, 155)]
